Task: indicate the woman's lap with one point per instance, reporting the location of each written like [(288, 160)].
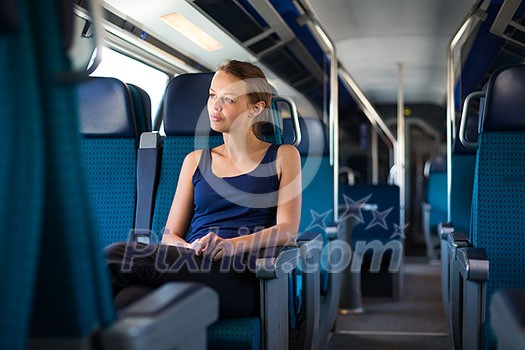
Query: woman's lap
[(154, 265)]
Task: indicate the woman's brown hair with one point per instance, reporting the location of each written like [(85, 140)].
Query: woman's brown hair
[(258, 89)]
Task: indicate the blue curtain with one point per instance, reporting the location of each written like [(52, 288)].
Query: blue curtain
[(54, 282)]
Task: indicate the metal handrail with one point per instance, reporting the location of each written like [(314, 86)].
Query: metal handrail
[(294, 117), (463, 126)]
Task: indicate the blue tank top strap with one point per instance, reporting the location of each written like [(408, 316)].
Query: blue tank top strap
[(271, 153), (267, 167), (204, 161)]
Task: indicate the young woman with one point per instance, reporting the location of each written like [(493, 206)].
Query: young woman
[(236, 198)]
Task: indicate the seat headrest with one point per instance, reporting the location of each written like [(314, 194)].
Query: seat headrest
[(105, 109), (505, 100), (437, 164), (185, 111), (313, 136), (142, 108), (186, 114)]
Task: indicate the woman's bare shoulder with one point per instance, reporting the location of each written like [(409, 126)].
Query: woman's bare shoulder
[(288, 152), (192, 159)]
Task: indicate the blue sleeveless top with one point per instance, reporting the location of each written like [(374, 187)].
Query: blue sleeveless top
[(236, 205)]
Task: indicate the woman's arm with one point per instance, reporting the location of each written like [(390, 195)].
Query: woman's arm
[(284, 232), (181, 210)]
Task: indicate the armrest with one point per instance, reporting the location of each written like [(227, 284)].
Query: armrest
[(507, 310), (445, 229), (473, 264), (164, 318), (332, 231), (273, 273), (148, 160), (310, 244), (270, 267), (458, 240)]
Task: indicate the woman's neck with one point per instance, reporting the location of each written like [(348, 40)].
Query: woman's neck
[(241, 147)]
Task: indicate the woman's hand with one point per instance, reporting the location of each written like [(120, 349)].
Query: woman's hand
[(213, 246)]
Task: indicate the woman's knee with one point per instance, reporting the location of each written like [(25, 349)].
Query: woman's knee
[(115, 251)]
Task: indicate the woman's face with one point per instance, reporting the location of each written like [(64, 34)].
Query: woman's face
[(228, 105)]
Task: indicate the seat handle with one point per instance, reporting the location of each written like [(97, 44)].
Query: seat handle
[(463, 127), (294, 116)]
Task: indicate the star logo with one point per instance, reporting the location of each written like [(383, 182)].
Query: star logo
[(379, 218), (318, 219), (353, 208), (399, 231)]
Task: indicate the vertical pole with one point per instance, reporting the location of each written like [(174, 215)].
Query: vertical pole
[(401, 144), (375, 156), (334, 121), (450, 125)]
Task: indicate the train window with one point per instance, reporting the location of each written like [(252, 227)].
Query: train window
[(135, 72)]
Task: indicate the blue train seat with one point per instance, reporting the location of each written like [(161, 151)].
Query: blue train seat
[(497, 233), (109, 145), (434, 209), (376, 237), (142, 104), (453, 233), (186, 124), (317, 210), (187, 128)]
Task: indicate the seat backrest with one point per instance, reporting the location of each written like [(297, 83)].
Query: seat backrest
[(498, 206), (187, 128), (316, 172), (142, 108), (109, 146), (462, 178), (436, 173)]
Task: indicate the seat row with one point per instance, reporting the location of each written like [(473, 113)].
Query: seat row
[(483, 251), (132, 175)]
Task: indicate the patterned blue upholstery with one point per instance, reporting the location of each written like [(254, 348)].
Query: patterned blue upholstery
[(463, 166), (317, 210), (174, 151), (498, 208), (111, 168), (235, 334), (462, 176), (498, 204), (110, 138), (437, 197), (317, 176), (437, 191)]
